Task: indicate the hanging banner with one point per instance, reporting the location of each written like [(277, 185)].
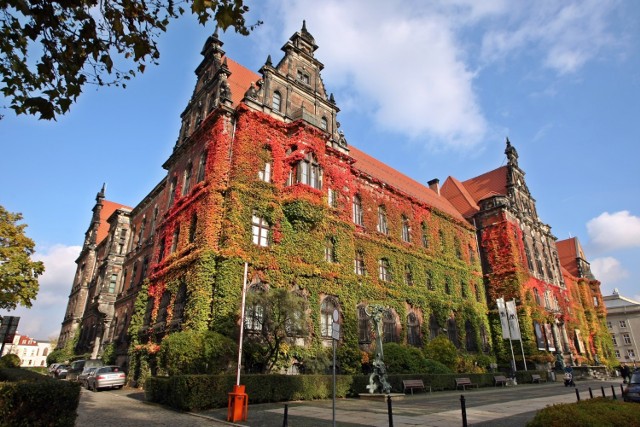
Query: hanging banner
[(539, 336), (502, 310), (512, 316), (549, 336)]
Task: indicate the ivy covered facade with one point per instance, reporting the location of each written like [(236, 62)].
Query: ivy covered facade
[(262, 175)]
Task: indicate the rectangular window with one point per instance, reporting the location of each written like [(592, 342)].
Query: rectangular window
[(358, 264), (609, 325), (382, 220), (329, 251), (332, 198), (201, 166), (623, 323), (383, 270), (406, 230), (357, 210), (626, 338), (259, 230), (425, 237), (112, 283), (613, 338), (631, 354), (265, 173), (617, 353)]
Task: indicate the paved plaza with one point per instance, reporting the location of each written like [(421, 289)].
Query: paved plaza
[(489, 406)]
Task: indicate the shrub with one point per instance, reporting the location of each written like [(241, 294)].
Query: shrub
[(593, 412), (196, 352), (435, 367), (10, 361), (401, 359), (31, 399), (443, 351)]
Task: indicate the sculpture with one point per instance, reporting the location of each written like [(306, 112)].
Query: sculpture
[(378, 379)]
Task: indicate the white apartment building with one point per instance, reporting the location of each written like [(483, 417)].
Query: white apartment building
[(623, 322)]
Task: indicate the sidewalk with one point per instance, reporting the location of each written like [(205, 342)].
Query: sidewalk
[(490, 406)]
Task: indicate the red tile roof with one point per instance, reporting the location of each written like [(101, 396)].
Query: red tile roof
[(466, 195), (392, 177), (240, 80), (568, 253), (107, 209)]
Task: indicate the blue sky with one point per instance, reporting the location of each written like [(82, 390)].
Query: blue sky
[(431, 88)]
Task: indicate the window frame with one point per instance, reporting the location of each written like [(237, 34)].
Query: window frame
[(260, 231)]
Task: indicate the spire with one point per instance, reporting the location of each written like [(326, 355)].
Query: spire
[(269, 63)]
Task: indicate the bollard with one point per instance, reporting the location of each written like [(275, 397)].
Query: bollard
[(578, 395), (463, 406), (602, 388), (590, 392), (613, 390), (390, 410), (285, 422)]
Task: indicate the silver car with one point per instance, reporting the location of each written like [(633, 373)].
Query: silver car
[(106, 377)]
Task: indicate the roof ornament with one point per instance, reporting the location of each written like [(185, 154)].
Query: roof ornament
[(268, 62), (512, 154)]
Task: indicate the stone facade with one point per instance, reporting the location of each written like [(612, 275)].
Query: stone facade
[(261, 174)]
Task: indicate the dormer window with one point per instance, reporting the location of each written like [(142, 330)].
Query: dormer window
[(276, 103), (303, 77), (323, 123)]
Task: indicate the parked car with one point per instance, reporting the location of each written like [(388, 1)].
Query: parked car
[(61, 372), (78, 366), (631, 392), (52, 368), (82, 376), (106, 377)]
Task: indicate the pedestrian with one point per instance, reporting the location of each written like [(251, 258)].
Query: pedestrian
[(626, 373), (568, 377)]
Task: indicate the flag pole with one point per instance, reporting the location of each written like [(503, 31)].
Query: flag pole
[(244, 295)]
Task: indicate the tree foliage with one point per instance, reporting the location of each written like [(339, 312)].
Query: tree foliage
[(18, 273), (83, 42), (196, 352), (282, 319)]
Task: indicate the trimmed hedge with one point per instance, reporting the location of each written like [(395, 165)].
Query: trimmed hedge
[(199, 392), (30, 399), (593, 412)]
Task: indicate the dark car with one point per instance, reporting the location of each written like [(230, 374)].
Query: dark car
[(61, 372), (631, 392), (82, 376), (78, 366), (106, 377)]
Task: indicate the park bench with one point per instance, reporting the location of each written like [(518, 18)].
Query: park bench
[(411, 384), (537, 378), (464, 382), (500, 380)]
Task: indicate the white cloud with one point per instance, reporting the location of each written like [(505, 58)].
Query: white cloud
[(402, 62), (43, 320), (608, 271), (409, 65), (614, 231), (564, 35)]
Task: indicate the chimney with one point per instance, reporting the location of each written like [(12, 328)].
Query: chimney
[(434, 184)]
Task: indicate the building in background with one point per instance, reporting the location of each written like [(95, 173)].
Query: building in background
[(623, 322), (261, 174), (32, 353)]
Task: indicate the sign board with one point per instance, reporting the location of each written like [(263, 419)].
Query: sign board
[(8, 328), (335, 331), (514, 325)]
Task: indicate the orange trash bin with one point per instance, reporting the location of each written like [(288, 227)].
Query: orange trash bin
[(238, 406)]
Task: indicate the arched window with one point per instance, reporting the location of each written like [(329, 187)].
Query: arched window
[(323, 123), (186, 179), (201, 166), (277, 101), (389, 326), (470, 337), (413, 330), (452, 331), (193, 227), (364, 325), (357, 210), (329, 304)]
